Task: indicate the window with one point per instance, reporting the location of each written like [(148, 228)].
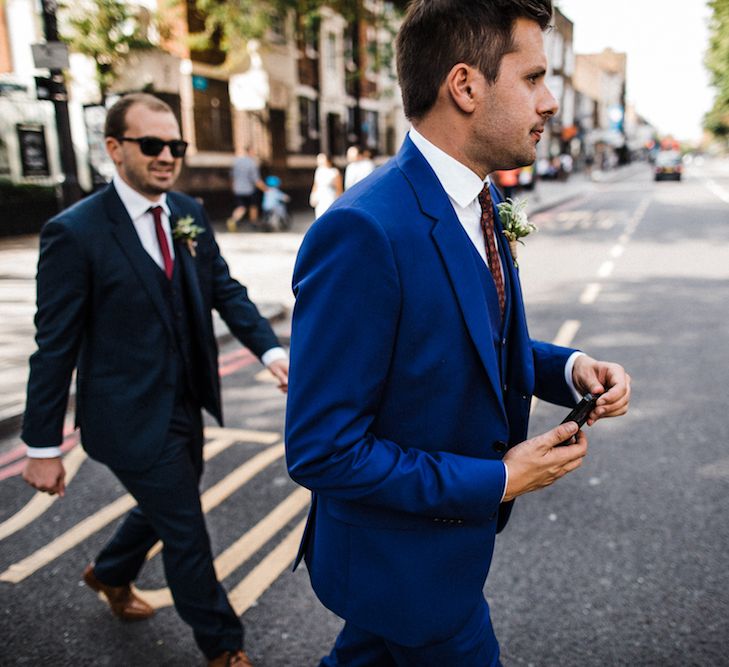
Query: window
[(308, 126)]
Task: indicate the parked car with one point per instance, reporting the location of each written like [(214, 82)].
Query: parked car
[(668, 165)]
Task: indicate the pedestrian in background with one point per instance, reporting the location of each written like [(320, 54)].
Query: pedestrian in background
[(327, 185), (412, 369), (247, 186), (127, 280), (359, 167)]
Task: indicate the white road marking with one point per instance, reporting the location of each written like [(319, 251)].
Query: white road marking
[(246, 546), (590, 293), (63, 543), (41, 501), (606, 268), (718, 190)]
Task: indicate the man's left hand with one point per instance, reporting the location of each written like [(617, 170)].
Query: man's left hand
[(605, 378), (280, 370)]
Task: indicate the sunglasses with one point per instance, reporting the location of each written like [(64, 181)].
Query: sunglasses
[(153, 146)]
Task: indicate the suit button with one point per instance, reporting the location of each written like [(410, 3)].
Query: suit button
[(506, 388), (500, 446)]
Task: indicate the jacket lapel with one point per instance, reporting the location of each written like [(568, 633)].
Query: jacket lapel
[(189, 271), (128, 240), (192, 289), (453, 246)]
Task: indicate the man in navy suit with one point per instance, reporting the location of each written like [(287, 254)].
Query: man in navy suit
[(412, 370), (125, 297)]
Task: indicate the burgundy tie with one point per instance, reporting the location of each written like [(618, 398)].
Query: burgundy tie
[(487, 227), (156, 212)]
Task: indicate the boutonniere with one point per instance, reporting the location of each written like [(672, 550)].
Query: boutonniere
[(515, 223), (187, 231)]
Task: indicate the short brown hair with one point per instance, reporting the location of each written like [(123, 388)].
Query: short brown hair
[(116, 118), (437, 34)]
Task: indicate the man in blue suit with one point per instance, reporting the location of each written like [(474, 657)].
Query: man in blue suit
[(127, 280), (412, 369)]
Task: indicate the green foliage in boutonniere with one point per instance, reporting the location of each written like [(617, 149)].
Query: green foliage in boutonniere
[(515, 223), (187, 231)]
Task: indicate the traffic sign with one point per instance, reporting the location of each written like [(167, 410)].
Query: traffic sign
[(53, 55)]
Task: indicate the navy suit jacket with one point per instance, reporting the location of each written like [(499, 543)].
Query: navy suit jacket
[(401, 393), (101, 310)]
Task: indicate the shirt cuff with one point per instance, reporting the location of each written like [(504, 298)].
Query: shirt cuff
[(42, 452), (506, 481), (568, 374), (274, 354)]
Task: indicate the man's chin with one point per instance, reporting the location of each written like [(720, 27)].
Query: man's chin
[(160, 185)]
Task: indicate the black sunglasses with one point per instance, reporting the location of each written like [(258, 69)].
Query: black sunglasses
[(153, 146)]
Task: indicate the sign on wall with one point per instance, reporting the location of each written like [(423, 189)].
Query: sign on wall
[(33, 150)]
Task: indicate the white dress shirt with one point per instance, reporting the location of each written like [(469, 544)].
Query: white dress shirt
[(137, 206), (463, 187)]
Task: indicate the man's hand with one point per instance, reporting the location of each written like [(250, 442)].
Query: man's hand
[(46, 475), (602, 377), (280, 370), (537, 462)]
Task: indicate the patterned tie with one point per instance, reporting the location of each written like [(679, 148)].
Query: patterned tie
[(487, 227), (156, 212)]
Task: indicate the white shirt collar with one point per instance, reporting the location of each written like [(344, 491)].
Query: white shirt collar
[(460, 183), (136, 204)]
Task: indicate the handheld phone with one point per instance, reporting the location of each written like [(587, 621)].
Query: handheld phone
[(580, 413)]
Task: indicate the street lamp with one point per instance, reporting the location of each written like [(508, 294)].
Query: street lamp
[(70, 189)]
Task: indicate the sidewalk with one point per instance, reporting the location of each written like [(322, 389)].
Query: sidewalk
[(262, 262)]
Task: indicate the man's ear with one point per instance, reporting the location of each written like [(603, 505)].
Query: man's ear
[(460, 84), (113, 148)]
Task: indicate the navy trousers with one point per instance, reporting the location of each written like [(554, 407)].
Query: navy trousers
[(474, 645), (169, 509)]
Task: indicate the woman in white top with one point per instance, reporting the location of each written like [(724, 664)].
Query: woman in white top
[(327, 185)]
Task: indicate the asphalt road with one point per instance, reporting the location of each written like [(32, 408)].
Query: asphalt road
[(624, 562)]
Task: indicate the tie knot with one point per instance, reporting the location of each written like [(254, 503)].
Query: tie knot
[(156, 212), (484, 197)]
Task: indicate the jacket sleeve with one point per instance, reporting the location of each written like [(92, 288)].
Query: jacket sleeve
[(231, 300), (343, 332), (62, 297)]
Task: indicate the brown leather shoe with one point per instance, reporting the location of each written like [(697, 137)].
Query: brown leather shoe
[(231, 659), (123, 601)]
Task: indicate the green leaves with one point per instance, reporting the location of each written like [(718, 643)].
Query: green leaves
[(717, 62)]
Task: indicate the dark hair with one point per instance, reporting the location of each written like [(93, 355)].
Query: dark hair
[(116, 117), (437, 34)]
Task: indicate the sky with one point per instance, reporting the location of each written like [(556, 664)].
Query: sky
[(665, 41)]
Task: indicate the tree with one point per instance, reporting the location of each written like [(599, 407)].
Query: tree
[(106, 31), (717, 62)]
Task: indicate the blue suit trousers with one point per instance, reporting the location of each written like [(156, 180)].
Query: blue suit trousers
[(474, 645)]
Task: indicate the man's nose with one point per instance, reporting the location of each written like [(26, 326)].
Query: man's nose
[(549, 106), (166, 154)]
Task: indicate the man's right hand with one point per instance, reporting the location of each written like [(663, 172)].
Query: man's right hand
[(538, 462), (46, 475)]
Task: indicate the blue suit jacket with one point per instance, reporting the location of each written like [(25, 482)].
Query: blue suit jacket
[(399, 388), (101, 310)]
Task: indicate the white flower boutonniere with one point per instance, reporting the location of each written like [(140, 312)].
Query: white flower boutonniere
[(514, 221), (187, 231)]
